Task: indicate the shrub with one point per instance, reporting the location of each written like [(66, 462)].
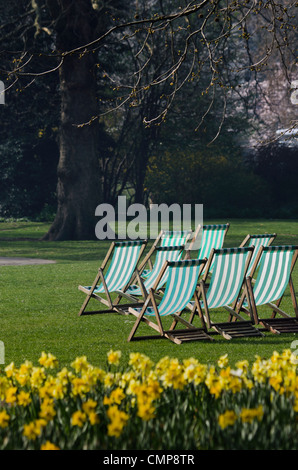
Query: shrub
[(221, 182)]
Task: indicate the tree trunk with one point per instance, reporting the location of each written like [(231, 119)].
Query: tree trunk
[(78, 188)]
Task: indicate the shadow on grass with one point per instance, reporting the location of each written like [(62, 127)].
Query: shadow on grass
[(23, 239)]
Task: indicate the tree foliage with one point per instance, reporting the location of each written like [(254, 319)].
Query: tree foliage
[(120, 80), (277, 165)]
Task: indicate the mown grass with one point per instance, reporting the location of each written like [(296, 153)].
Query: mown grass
[(40, 303)]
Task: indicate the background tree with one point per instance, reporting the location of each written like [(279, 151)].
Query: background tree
[(166, 45)]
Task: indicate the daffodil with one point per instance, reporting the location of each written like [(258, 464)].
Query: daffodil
[(127, 377), (79, 386), (38, 377), (4, 385), (140, 362), (48, 360), (109, 380), (58, 390), (195, 373), (93, 376), (223, 361), (24, 398), (93, 418), (227, 418), (10, 370), (243, 365), (80, 364), (89, 405), (23, 374), (213, 382), (154, 388), (146, 410), (11, 395), (133, 387), (275, 382), (65, 376), (33, 429), (259, 371), (114, 357), (49, 446), (174, 376), (118, 420), (78, 418), (116, 397), (247, 415), (47, 410), (162, 365), (4, 419)]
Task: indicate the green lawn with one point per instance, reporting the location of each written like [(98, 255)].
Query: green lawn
[(40, 303)]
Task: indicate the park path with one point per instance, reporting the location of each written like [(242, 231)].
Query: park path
[(6, 261)]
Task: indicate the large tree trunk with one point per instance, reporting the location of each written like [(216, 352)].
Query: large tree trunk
[(78, 188)]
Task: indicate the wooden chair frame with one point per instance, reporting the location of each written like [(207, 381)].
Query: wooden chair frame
[(191, 333), (143, 282), (248, 237), (287, 323), (229, 329), (108, 302), (197, 234)]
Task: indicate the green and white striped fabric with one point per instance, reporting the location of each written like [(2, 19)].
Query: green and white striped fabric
[(227, 276), (122, 266), (171, 238), (212, 237), (182, 281), (257, 241), (163, 254), (274, 273), (175, 238)]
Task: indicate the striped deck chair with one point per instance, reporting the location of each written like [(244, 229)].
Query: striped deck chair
[(227, 279), (163, 254), (212, 237), (181, 286), (117, 277), (274, 276), (175, 238), (165, 238), (257, 241)]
